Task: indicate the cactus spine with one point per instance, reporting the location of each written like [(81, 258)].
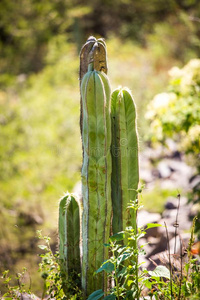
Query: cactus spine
[(96, 176), (125, 170), (69, 237)]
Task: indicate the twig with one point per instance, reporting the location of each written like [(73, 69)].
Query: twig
[(170, 266), (181, 256), (176, 224)]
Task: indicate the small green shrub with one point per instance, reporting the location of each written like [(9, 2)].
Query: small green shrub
[(176, 113)]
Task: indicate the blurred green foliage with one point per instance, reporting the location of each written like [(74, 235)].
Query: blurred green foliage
[(176, 113), (26, 27), (40, 150)]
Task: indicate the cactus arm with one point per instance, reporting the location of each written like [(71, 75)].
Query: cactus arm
[(125, 171), (69, 236), (96, 176), (62, 234)]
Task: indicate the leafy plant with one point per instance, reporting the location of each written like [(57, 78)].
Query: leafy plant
[(122, 267), (176, 114), (109, 172), (52, 274), (15, 292), (180, 279)]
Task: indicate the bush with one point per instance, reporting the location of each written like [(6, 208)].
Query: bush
[(176, 113)]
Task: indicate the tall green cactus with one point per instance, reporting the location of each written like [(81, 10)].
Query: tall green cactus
[(102, 123), (69, 237), (96, 176), (125, 170)]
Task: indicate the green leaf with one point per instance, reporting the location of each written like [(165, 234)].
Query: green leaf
[(110, 297), (153, 225), (122, 272), (107, 267), (96, 295), (123, 257), (117, 237), (160, 271), (43, 247)]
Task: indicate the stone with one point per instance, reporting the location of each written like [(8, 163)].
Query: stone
[(184, 221), (194, 182), (171, 203), (181, 239), (164, 169), (26, 296), (144, 217)]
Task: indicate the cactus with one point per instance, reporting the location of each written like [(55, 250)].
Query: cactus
[(125, 170), (102, 197), (96, 176), (69, 237)]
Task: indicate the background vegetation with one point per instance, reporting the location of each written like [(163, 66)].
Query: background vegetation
[(40, 148)]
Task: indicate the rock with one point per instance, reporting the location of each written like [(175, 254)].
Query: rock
[(144, 217), (164, 169), (180, 167), (195, 182), (171, 203), (145, 169), (181, 239), (146, 175), (159, 247), (162, 229), (162, 258), (184, 222), (171, 145), (155, 173), (194, 210), (29, 218), (26, 296), (152, 153)]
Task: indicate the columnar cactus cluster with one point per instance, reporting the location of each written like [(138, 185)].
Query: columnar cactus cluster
[(109, 172)]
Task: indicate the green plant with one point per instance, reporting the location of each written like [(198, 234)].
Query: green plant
[(97, 207), (96, 174), (49, 269), (69, 237), (177, 277), (122, 267), (124, 149), (176, 114), (52, 273), (15, 292), (180, 278)]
